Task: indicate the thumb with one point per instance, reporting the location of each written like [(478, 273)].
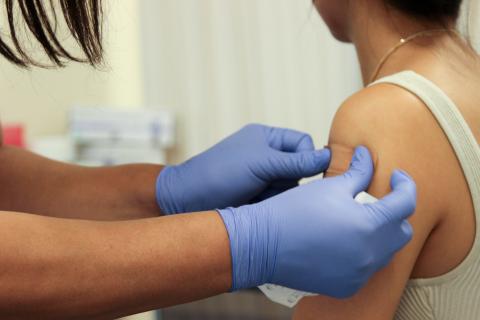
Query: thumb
[(300, 164), (401, 202), (360, 174), (288, 140)]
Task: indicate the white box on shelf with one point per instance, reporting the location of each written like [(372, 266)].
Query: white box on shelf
[(118, 154), (129, 126), (110, 136)]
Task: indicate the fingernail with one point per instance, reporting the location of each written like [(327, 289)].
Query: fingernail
[(407, 228), (361, 152), (323, 154), (404, 174), (323, 158), (359, 155)]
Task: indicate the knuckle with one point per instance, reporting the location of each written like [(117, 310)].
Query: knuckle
[(306, 138), (251, 126), (368, 264), (365, 264)]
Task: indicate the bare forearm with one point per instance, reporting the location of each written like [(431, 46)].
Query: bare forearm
[(64, 269), (34, 184)]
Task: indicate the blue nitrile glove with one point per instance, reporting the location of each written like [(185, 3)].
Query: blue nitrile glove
[(316, 237), (253, 164)]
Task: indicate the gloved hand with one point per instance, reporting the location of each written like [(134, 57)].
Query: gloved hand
[(251, 165), (316, 237)]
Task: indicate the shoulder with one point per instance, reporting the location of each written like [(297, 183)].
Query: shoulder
[(376, 113), (401, 133), (398, 129)]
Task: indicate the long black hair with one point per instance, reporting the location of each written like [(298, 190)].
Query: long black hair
[(82, 17), (432, 10)]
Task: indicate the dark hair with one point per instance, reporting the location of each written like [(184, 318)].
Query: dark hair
[(432, 10), (82, 17)]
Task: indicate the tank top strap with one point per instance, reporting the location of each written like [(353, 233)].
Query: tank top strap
[(459, 135)]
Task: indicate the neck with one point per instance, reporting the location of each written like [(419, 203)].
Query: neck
[(375, 29)]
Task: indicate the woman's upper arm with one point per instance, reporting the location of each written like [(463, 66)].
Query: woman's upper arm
[(370, 119)]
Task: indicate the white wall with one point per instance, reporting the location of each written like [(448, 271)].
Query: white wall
[(40, 98), (217, 63), (222, 63)]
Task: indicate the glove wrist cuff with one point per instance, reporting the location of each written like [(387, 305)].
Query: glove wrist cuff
[(164, 194), (249, 244)]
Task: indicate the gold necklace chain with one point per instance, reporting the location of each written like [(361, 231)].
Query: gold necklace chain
[(401, 43)]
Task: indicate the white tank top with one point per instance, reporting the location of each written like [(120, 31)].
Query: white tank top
[(456, 294)]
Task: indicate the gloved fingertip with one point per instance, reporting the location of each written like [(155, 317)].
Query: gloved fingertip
[(305, 144), (401, 179), (361, 154), (400, 204), (323, 158), (402, 175), (295, 166), (407, 230), (361, 170), (311, 163), (362, 160)]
